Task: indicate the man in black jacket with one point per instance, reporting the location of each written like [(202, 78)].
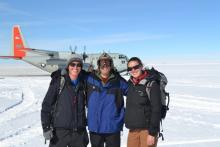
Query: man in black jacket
[(142, 114), (63, 109)]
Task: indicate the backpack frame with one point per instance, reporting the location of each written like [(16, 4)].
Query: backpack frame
[(161, 79)]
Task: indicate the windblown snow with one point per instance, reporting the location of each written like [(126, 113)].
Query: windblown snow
[(193, 119)]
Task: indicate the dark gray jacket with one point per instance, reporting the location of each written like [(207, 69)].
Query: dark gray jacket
[(67, 109), (142, 112)]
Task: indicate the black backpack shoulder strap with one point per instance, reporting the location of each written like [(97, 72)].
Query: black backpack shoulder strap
[(148, 87), (148, 83), (62, 83)]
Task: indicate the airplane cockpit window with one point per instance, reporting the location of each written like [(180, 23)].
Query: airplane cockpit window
[(122, 57)]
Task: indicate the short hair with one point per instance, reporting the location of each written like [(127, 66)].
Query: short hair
[(135, 59)]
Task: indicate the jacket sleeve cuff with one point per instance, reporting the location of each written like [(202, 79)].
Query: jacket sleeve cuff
[(46, 128), (153, 133)]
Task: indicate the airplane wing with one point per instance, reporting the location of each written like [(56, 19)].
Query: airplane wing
[(10, 57), (42, 52)]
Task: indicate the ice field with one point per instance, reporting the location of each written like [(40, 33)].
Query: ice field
[(193, 119)]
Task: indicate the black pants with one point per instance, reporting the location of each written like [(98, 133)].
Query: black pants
[(68, 138), (111, 140)]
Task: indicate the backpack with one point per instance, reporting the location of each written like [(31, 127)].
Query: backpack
[(160, 78)]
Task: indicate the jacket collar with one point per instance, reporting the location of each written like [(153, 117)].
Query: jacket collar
[(137, 80)]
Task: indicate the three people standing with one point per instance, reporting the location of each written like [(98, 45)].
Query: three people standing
[(102, 91)]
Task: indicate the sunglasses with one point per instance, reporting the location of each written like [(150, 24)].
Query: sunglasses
[(75, 64), (134, 67), (103, 66), (105, 63)]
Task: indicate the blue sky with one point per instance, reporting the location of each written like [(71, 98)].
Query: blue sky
[(144, 28)]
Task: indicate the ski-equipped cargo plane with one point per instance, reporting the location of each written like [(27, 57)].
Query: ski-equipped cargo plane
[(52, 60)]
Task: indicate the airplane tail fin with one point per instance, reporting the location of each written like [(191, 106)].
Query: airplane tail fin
[(19, 48)]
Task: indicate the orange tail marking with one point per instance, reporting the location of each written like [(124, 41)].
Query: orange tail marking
[(18, 42)]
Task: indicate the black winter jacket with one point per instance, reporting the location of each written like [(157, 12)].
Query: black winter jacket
[(66, 111), (142, 112)]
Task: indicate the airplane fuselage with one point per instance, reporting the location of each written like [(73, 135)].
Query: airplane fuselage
[(51, 64)]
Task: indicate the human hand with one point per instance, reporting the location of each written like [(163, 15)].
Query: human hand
[(150, 140), (48, 135)]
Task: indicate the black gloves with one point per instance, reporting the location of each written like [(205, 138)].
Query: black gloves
[(48, 135)]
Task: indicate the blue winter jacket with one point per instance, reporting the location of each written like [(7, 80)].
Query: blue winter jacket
[(105, 103)]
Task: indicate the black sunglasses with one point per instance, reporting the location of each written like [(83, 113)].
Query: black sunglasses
[(75, 64), (134, 67)]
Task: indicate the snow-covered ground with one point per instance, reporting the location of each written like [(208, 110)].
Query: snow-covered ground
[(193, 119)]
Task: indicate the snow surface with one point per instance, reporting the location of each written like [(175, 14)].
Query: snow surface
[(193, 119)]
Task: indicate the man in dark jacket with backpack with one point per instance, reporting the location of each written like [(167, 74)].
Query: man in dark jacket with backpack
[(63, 109), (143, 113)]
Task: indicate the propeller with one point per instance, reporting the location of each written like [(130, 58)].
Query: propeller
[(75, 48), (84, 54), (71, 49)]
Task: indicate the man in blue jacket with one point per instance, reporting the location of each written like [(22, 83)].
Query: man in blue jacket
[(105, 91)]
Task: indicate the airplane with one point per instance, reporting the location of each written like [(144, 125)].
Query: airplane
[(52, 60)]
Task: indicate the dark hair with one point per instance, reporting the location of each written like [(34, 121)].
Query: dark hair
[(135, 59)]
